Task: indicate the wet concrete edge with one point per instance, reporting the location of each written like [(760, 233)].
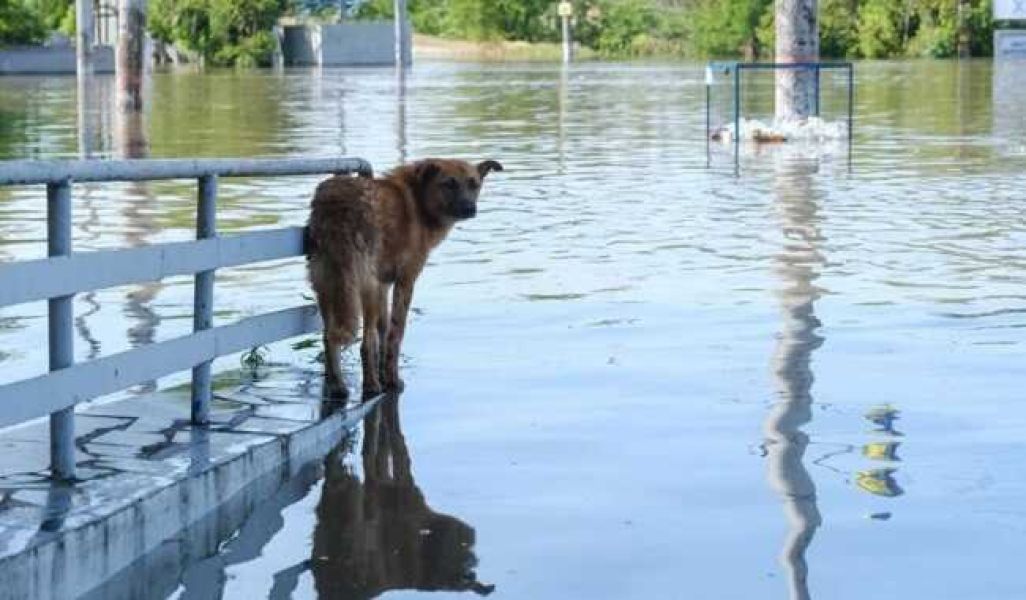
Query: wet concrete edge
[(83, 558)]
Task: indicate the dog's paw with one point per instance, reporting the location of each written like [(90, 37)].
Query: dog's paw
[(395, 384), (371, 391), (336, 392)]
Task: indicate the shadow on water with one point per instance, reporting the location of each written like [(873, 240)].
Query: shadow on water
[(797, 266)]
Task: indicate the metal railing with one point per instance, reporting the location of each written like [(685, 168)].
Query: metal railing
[(65, 273), (737, 69)]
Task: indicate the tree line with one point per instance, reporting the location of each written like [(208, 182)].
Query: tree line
[(710, 28), (239, 32)]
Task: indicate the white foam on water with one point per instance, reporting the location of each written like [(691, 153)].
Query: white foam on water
[(807, 130)]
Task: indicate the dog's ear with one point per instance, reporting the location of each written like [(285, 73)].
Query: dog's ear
[(486, 167), (426, 171)]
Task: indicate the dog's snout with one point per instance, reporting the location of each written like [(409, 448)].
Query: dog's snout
[(466, 210)]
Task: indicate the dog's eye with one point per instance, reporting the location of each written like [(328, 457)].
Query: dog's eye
[(472, 184), (451, 183)]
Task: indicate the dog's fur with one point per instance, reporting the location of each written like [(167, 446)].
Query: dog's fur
[(367, 236)]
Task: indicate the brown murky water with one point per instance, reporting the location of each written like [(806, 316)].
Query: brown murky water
[(632, 376)]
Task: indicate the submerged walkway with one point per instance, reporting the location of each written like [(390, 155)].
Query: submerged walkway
[(154, 488)]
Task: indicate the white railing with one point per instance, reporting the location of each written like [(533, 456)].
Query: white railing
[(65, 273)]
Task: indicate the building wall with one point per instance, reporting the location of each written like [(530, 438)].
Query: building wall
[(43, 60), (343, 44)]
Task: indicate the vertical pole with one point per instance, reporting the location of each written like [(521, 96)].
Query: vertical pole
[(400, 33), (84, 42), (85, 28), (964, 32), (566, 40), (737, 117), (796, 26), (203, 298), (851, 112), (566, 12), (817, 87), (708, 118), (61, 327), (130, 54)]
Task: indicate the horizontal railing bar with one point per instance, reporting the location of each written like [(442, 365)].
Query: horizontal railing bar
[(29, 172), (41, 279), (793, 65), (39, 396)]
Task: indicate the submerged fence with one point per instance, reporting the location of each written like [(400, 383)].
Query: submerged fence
[(65, 273)]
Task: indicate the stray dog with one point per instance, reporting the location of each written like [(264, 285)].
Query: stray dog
[(367, 236)]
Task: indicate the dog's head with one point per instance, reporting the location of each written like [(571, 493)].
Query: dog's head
[(447, 190)]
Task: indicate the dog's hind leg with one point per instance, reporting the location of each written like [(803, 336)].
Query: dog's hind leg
[(370, 350), (339, 328)]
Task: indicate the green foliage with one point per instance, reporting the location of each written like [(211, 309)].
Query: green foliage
[(880, 28), (730, 28), (19, 24), (57, 15), (838, 28), (223, 32)]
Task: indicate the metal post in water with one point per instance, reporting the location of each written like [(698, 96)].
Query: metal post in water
[(817, 88), (566, 12), (708, 117), (737, 117), (203, 298), (61, 330), (400, 33), (851, 112)]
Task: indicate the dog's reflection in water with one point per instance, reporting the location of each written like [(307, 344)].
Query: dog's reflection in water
[(379, 534)]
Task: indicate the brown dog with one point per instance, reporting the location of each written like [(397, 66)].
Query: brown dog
[(366, 236)]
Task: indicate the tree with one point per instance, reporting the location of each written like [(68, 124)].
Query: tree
[(222, 32), (19, 24)]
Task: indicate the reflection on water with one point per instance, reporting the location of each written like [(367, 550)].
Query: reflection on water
[(797, 266), (379, 534)]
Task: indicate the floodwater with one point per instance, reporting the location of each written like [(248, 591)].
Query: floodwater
[(635, 374)]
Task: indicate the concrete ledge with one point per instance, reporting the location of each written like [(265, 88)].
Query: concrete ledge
[(45, 60), (153, 485)]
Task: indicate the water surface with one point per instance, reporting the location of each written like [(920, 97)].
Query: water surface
[(634, 375)]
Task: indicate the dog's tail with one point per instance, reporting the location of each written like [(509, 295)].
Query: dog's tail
[(337, 283)]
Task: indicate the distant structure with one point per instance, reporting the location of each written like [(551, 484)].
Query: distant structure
[(1010, 32), (797, 41)]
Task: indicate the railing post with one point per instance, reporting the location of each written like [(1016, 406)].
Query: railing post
[(203, 298), (60, 328)]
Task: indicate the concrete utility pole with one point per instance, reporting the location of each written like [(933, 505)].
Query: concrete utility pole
[(797, 29), (400, 30), (130, 55)]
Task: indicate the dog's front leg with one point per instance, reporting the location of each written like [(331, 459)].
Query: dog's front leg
[(402, 296)]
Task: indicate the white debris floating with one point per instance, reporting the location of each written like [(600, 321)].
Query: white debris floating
[(806, 130)]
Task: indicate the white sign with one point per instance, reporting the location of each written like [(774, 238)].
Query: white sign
[(1009, 10)]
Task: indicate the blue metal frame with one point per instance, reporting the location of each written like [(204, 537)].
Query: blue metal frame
[(737, 67)]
